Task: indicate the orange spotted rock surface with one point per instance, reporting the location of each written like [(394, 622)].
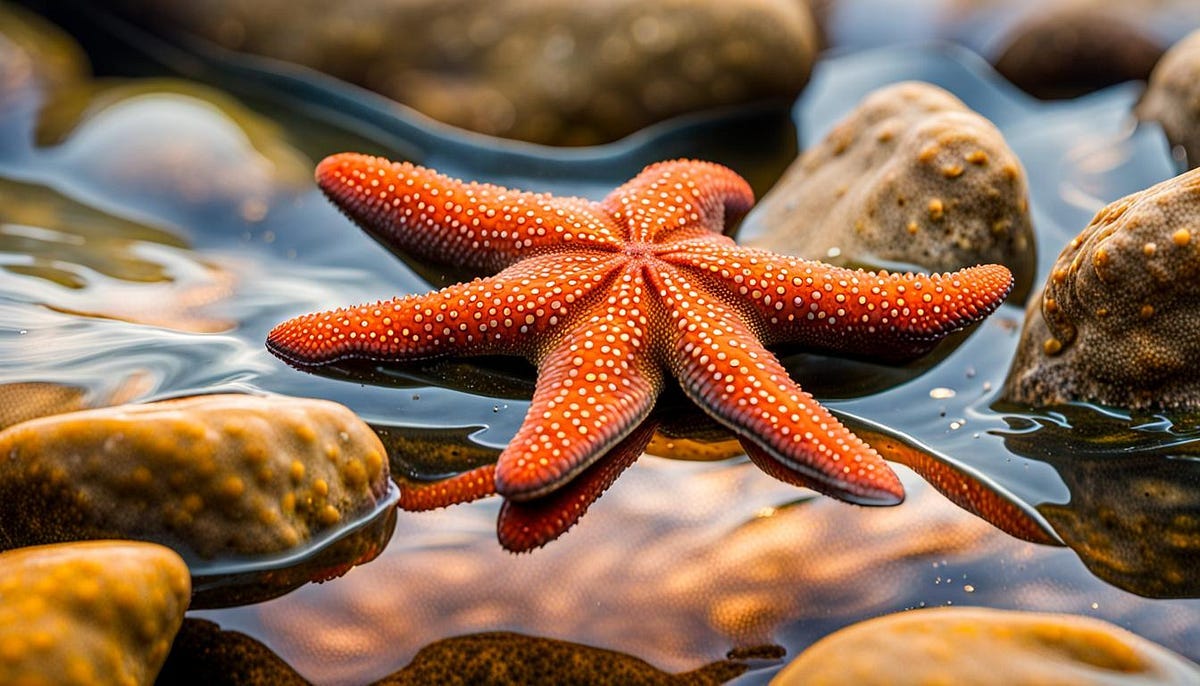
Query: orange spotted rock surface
[(911, 175), (209, 475), (1173, 96), (1118, 322), (981, 646), (102, 612), (557, 72)]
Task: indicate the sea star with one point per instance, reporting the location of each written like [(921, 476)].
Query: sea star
[(609, 298)]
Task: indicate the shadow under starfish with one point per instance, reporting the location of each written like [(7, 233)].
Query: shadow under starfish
[(610, 298)]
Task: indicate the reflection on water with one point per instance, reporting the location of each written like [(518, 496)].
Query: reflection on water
[(1134, 512), (682, 559)]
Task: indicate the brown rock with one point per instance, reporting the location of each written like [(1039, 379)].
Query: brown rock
[(504, 658), (102, 612), (205, 655), (911, 175), (1118, 322), (211, 476), (549, 71), (1173, 97), (1067, 50), (971, 645)]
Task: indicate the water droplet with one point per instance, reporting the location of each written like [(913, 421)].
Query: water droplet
[(941, 393)]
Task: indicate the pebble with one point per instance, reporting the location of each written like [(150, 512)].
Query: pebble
[(100, 612), (1173, 97), (982, 646)]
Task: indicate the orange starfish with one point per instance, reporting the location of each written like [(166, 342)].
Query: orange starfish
[(609, 298)]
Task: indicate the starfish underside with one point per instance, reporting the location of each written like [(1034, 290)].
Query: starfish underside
[(611, 298)]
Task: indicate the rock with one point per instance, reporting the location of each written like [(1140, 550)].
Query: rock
[(911, 175), (167, 146), (549, 71), (1173, 97), (205, 655), (503, 658), (211, 476), (101, 612), (1067, 50), (1118, 321), (971, 645)]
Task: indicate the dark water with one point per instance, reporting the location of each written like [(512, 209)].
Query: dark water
[(158, 221)]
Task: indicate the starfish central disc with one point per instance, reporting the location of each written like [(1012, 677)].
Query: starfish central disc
[(611, 298)]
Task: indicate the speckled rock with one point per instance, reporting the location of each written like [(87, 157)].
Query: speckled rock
[(911, 175), (509, 659), (549, 71), (1068, 49), (982, 646), (101, 612), (1173, 97), (210, 476), (1118, 322)]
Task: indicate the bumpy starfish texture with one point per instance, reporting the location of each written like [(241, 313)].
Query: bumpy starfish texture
[(609, 298)]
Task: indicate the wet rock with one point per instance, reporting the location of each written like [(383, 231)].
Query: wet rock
[(503, 658), (164, 145), (911, 175), (24, 400), (204, 655), (1118, 321), (101, 612), (1173, 97), (211, 476), (547, 71), (983, 646), (1067, 50)]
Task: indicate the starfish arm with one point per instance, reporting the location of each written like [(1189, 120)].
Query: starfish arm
[(523, 526), (499, 314), (594, 387), (850, 311), (680, 198), (467, 487), (725, 370), (474, 225)]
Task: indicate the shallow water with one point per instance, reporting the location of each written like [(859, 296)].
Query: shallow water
[(158, 221)]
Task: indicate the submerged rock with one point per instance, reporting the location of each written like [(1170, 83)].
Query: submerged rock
[(548, 71), (1173, 97), (1068, 49), (211, 476), (971, 645), (89, 613), (1118, 322), (911, 175)]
